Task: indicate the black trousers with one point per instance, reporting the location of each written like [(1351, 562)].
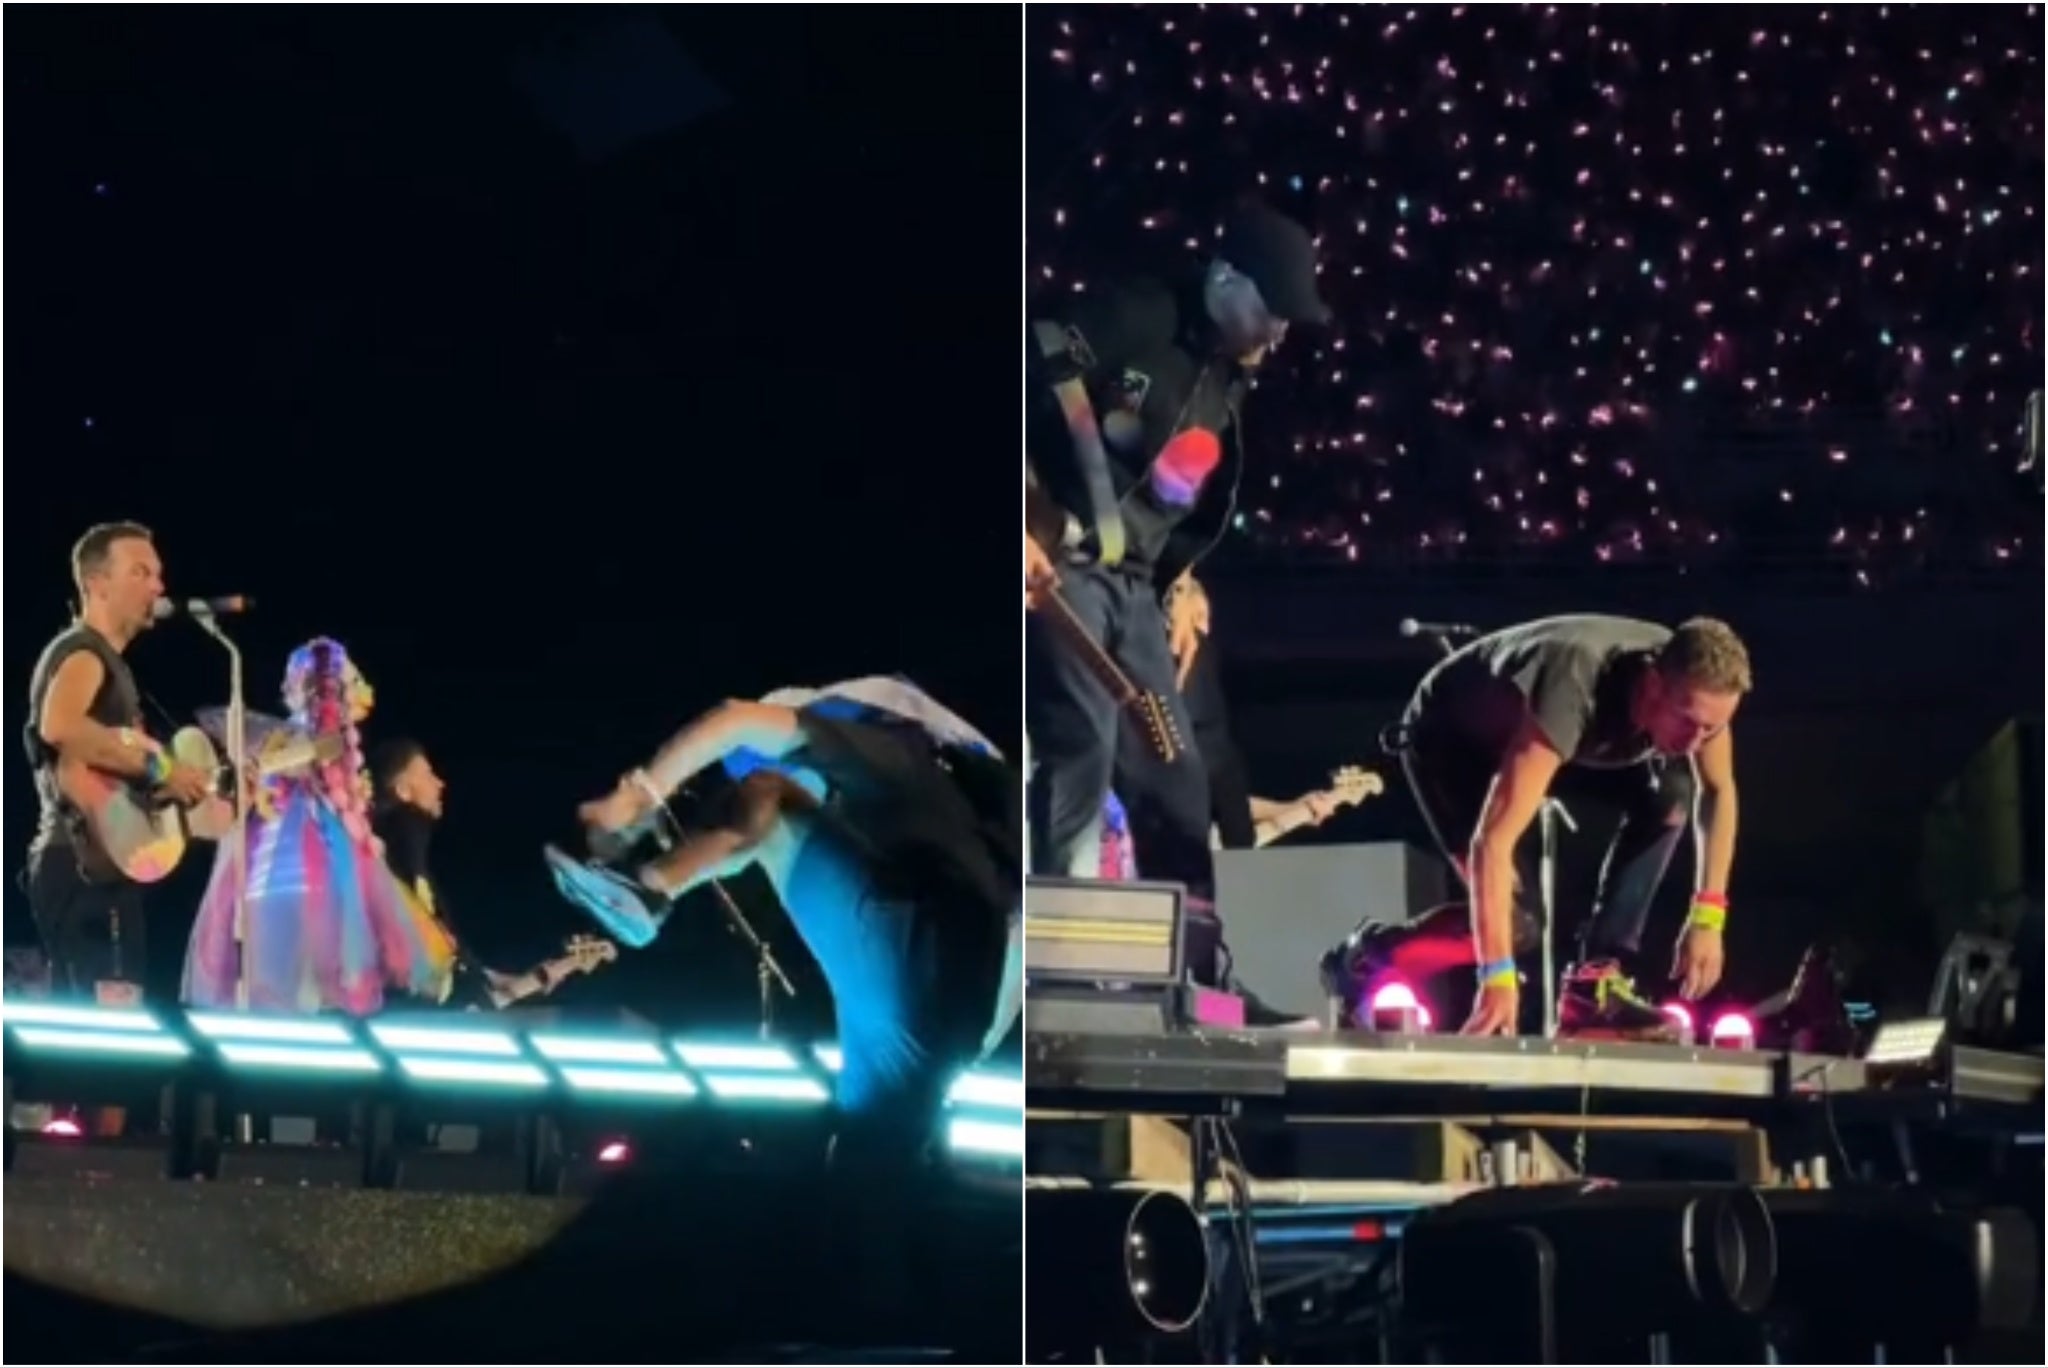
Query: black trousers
[(90, 931), (1450, 779), (1075, 727)]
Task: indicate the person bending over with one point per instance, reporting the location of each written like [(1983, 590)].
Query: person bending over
[(1630, 714)]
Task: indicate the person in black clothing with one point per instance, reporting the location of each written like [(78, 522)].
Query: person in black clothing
[(405, 810), (84, 707), (1631, 714), (1163, 366)]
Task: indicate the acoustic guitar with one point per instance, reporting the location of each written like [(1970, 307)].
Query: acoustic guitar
[(1043, 520), (125, 830)]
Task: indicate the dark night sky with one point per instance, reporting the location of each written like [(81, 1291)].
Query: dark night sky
[(565, 447)]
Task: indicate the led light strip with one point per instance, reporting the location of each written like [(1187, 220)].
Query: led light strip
[(740, 1071)]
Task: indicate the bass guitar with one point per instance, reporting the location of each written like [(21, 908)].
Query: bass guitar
[(1349, 787), (583, 954), (1043, 520), (125, 830)]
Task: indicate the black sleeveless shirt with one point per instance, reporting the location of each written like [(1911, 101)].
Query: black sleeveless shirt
[(117, 704)]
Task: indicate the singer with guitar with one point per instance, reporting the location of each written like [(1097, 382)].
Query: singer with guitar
[(85, 739), (1132, 391)]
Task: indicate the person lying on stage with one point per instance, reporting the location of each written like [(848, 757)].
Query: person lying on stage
[(1633, 715), (405, 809), (890, 831), (328, 927)]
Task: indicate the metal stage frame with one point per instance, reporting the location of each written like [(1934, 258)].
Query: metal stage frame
[(1257, 1127)]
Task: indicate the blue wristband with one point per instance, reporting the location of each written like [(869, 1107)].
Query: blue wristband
[(1500, 971)]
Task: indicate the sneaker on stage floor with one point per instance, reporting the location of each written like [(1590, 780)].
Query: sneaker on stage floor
[(629, 913), (1600, 1002)]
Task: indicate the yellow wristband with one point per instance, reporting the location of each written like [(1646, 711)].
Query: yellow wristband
[(1708, 917)]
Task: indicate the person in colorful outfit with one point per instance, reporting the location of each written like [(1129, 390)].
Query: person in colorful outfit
[(328, 927)]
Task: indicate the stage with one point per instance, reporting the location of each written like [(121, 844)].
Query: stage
[(487, 1185), (1316, 1157)]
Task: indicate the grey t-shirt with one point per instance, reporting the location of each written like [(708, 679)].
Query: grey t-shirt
[(1573, 675)]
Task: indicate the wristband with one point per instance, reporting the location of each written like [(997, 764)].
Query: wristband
[(156, 768), (642, 780), (1709, 912), (1499, 973)]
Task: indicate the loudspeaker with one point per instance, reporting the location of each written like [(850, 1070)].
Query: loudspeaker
[(1282, 909)]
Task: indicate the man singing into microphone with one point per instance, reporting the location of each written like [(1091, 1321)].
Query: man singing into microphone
[(1631, 714), (85, 716)]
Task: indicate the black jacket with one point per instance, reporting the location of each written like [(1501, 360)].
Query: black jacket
[(1146, 352)]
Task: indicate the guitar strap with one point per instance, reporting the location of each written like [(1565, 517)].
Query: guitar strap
[(1069, 359)]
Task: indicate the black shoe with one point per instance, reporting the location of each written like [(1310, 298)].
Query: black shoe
[(1264, 1015), (1600, 1002)]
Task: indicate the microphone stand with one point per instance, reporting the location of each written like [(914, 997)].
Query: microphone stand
[(1550, 817), (668, 829), (238, 847), (767, 969), (238, 850)]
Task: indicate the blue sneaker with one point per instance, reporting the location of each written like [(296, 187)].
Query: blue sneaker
[(628, 912)]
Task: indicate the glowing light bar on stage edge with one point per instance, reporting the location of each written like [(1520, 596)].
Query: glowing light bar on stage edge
[(985, 1106)]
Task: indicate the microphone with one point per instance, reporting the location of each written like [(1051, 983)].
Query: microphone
[(227, 605), (1411, 628)]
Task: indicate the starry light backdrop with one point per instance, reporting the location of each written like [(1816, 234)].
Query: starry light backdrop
[(1613, 284)]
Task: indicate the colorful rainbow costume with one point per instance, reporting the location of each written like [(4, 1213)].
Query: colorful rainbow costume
[(329, 928)]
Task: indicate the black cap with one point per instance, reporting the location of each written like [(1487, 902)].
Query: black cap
[(1280, 257)]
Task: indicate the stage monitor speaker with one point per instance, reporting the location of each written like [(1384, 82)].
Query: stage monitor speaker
[(1090, 931), (1282, 909)]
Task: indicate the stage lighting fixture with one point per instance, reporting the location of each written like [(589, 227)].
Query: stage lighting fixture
[(1107, 1265), (1680, 1016), (1638, 1258), (1732, 1031), (1977, 990), (1397, 1009), (1899, 1267), (1907, 1046), (85, 1054)]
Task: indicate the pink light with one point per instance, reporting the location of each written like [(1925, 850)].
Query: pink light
[(1680, 1014), (1397, 1000), (615, 1152), (63, 1126), (1394, 997), (1732, 1031)]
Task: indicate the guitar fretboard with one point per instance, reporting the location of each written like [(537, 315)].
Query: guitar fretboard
[(1060, 616)]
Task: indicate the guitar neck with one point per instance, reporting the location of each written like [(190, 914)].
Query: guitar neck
[(1059, 614)]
